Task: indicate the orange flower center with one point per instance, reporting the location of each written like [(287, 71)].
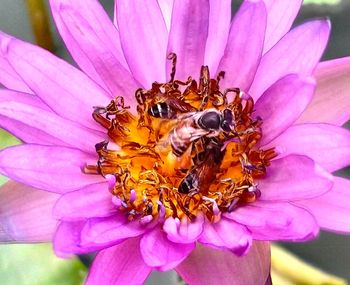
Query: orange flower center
[(189, 149)]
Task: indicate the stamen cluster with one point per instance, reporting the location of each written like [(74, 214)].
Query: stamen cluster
[(190, 149)]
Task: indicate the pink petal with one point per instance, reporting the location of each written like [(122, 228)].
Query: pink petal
[(280, 17), (55, 169), (276, 221), (282, 104), (61, 86), (227, 234), (166, 6), (219, 26), (188, 35), (121, 264), (327, 145), (294, 177), (332, 209), (331, 103), (183, 231), (25, 214), (110, 229), (67, 240), (92, 201), (157, 251), (8, 76), (94, 43), (206, 265), (145, 46), (33, 124), (301, 59), (244, 45)]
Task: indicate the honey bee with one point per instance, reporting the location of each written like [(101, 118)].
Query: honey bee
[(170, 108), (193, 126), (206, 166)]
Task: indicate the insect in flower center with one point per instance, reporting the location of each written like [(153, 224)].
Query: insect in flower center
[(189, 150)]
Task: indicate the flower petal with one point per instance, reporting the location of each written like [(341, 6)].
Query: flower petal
[(219, 26), (183, 231), (280, 17), (206, 265), (327, 145), (92, 201), (226, 234), (302, 59), (166, 6), (98, 231), (331, 103), (332, 209), (282, 104), (145, 46), (94, 44), (276, 221), (67, 240), (294, 177), (244, 45), (157, 251), (25, 214), (8, 76), (55, 169), (121, 264), (61, 86), (33, 124), (188, 35)]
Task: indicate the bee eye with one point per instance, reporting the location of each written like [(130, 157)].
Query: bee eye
[(225, 126), (228, 116), (210, 120)]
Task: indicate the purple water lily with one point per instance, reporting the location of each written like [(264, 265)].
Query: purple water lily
[(185, 140)]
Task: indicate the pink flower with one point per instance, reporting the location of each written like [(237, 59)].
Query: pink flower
[(269, 169)]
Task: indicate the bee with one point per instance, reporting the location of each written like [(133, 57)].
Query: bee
[(170, 108), (206, 166), (193, 126)]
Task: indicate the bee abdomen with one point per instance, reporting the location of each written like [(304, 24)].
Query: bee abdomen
[(160, 110)]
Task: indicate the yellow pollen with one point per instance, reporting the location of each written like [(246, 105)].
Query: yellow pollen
[(190, 149)]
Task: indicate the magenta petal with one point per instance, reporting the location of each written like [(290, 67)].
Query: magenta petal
[(210, 266), (36, 125), (219, 26), (157, 251), (92, 201), (8, 76), (276, 221), (25, 214), (166, 6), (280, 17), (282, 104), (184, 231), (302, 59), (244, 45), (145, 46), (55, 169), (332, 209), (94, 44), (61, 86), (188, 35), (327, 145), (294, 177), (331, 103), (226, 234), (110, 229), (121, 264), (67, 240)]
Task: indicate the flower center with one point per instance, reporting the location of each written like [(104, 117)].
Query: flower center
[(189, 150)]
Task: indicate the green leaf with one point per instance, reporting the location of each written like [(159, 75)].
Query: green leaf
[(24, 264), (322, 2)]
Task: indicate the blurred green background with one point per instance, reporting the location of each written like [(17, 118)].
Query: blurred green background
[(36, 264)]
